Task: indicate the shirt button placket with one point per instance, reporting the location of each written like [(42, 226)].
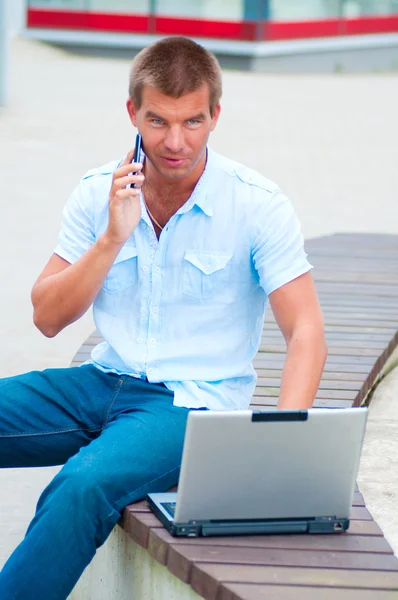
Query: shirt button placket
[(153, 329)]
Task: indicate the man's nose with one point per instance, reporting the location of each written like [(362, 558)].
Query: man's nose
[(174, 140)]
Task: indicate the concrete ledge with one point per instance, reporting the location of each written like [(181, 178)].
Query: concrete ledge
[(123, 570), (345, 53), (379, 461)]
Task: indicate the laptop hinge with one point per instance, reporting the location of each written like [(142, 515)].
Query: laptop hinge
[(280, 415)]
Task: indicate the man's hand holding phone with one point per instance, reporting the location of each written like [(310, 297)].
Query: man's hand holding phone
[(124, 200)]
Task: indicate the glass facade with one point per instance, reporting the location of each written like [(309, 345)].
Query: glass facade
[(228, 10), (122, 6), (294, 10), (60, 4), (234, 10), (250, 20), (108, 6)]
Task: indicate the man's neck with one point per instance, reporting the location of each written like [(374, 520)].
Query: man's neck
[(162, 189)]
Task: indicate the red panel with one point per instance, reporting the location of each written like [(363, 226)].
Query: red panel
[(372, 25), (274, 30), (244, 30), (201, 28), (140, 24), (59, 19)]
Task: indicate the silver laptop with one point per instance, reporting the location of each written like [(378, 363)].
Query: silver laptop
[(248, 472)]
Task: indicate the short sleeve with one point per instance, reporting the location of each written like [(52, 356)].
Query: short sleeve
[(77, 233), (278, 250)]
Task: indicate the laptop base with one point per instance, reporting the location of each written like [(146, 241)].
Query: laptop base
[(242, 527)]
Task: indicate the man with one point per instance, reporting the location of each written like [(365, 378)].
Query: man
[(179, 268)]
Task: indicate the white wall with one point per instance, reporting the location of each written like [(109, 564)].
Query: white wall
[(122, 570), (16, 15)]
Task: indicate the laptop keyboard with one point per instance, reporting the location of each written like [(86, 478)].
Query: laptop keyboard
[(170, 507)]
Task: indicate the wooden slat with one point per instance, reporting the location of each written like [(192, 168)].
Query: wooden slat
[(322, 394), (358, 350), (272, 401), (363, 300), (181, 558), (206, 579), (236, 591), (338, 376), (361, 278), (326, 384), (332, 543), (353, 304), (361, 336), (139, 522), (268, 359), (158, 540)]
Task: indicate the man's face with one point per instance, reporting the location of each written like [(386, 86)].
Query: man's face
[(174, 130)]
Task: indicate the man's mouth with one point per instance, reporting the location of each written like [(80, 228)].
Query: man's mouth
[(173, 162)]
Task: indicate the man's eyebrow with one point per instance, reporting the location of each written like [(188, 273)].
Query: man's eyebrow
[(151, 115), (198, 117)]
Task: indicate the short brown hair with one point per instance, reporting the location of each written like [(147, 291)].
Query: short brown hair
[(175, 66)]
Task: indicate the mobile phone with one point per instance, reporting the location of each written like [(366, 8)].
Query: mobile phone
[(138, 148), (137, 153)]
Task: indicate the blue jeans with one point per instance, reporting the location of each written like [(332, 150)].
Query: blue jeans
[(117, 437)]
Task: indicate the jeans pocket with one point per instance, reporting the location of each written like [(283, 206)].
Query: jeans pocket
[(124, 271), (205, 273)]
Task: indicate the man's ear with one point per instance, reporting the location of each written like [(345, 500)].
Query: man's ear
[(215, 117), (132, 112)]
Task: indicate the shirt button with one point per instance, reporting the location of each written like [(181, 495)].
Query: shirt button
[(157, 270), (145, 269), (143, 225), (150, 371), (142, 310), (139, 340), (155, 310), (153, 341)]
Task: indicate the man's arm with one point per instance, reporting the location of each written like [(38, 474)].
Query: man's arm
[(64, 291), (298, 314)]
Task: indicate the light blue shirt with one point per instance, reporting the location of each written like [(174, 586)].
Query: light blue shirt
[(188, 309)]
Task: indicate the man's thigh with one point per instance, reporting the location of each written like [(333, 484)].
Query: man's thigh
[(46, 416), (138, 452)]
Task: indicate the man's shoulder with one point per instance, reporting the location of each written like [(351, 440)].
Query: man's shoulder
[(243, 174), (96, 174), (92, 190)]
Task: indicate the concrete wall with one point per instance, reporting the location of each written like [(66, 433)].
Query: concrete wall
[(333, 60), (122, 570), (367, 53)]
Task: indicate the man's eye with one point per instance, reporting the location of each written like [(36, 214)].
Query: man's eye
[(193, 121), (157, 121)]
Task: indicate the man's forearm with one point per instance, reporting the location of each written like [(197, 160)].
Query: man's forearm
[(61, 298), (305, 360)]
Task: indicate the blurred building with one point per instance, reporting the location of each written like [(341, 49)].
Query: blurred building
[(240, 29)]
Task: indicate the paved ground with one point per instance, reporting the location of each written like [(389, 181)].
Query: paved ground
[(329, 141)]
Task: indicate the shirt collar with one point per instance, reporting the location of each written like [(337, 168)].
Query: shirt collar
[(201, 194)]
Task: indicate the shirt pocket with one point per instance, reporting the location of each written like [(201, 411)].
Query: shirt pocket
[(205, 273), (124, 271)]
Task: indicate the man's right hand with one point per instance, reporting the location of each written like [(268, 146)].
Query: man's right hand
[(64, 291), (124, 201)]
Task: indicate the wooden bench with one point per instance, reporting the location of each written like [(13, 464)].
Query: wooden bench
[(357, 283)]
